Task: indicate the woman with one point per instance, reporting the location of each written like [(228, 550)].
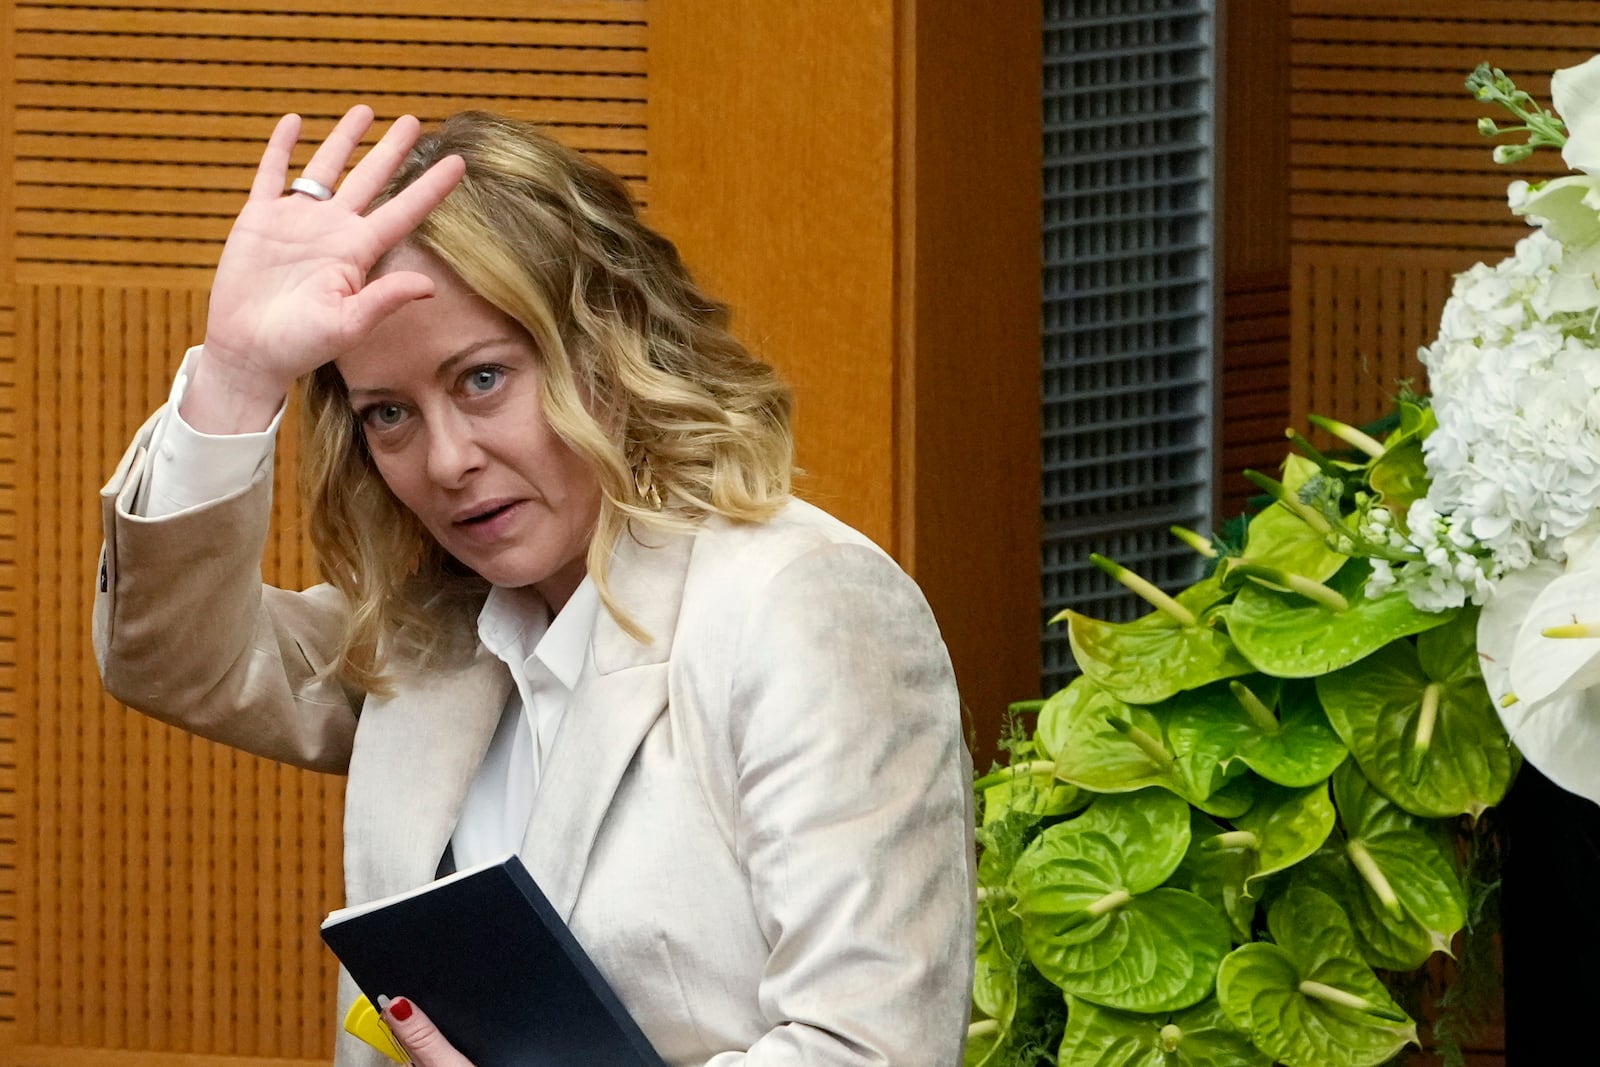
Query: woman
[(571, 610)]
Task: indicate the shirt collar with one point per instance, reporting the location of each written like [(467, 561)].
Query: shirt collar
[(567, 638), (515, 625)]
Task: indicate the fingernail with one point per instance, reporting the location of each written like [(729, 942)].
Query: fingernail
[(400, 1008), (383, 1002)]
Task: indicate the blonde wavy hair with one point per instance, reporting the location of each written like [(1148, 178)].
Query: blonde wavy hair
[(641, 378)]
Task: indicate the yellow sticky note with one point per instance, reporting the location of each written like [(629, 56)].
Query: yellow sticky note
[(364, 1021)]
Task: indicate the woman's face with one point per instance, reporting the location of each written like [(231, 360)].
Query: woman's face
[(447, 393)]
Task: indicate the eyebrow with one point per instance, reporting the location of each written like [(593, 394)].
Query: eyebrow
[(445, 369)]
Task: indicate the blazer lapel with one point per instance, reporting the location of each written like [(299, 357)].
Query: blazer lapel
[(415, 755), (620, 694)]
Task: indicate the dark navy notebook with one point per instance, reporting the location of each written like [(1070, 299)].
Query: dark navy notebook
[(489, 960)]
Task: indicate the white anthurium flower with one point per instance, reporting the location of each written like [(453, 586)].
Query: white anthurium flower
[(1543, 666), (1498, 624), (1575, 93), (1560, 734)]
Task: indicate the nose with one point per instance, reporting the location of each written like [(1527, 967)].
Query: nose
[(454, 453)]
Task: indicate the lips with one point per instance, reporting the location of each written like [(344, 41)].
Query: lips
[(483, 516), (482, 513)]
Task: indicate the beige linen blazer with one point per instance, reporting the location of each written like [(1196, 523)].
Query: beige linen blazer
[(758, 824)]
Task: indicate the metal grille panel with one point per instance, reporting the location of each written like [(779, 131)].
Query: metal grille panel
[(1128, 323)]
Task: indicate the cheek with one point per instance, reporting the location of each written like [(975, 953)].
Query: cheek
[(402, 477)]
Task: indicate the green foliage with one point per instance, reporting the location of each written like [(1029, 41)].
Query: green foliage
[(1250, 803)]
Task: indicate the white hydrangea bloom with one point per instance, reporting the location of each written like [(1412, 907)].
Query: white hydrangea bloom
[(1514, 465)]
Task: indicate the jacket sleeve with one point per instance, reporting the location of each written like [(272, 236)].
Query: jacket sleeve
[(185, 630), (853, 817)]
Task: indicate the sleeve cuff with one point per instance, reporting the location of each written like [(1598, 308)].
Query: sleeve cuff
[(189, 468)]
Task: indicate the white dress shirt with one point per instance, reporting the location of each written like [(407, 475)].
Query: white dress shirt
[(189, 468)]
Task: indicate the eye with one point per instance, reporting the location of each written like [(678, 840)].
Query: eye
[(483, 379), (384, 415)]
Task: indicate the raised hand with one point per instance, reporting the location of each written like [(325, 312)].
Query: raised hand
[(291, 290)]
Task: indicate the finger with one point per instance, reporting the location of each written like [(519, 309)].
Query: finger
[(274, 165), (378, 165), (417, 1033), (400, 216), (383, 296), (328, 161)]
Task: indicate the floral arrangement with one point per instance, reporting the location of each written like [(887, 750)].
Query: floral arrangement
[(1251, 817)]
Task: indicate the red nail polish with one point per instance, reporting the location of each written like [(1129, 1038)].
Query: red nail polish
[(400, 1008)]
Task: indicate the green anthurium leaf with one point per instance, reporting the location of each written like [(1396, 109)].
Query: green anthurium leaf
[(1400, 475), (1451, 760), (1385, 940), (1288, 825), (1217, 875), (1094, 922), (1300, 750), (1408, 875), (1149, 659), (1158, 952), (1130, 842), (1264, 990), (1078, 729), (1417, 420), (1200, 1036), (1277, 537), (1289, 636)]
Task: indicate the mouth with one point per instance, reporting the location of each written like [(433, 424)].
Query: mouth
[(480, 515)]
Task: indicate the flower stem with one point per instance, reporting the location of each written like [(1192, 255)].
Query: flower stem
[(1151, 595), (1231, 839), (1295, 583), (1427, 718), (1259, 713), (1194, 540), (995, 895), (1374, 877), (1016, 770), (1348, 434), (1150, 746), (1110, 902), (1334, 995), (1279, 492)]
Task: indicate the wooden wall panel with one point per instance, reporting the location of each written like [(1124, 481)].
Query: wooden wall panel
[(1255, 246), (869, 204), (138, 125), (172, 888), (1255, 397), (824, 180), (175, 879), (12, 617), (1392, 188)]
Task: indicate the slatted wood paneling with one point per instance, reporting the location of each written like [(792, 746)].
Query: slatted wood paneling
[(1255, 399), (138, 124), (1392, 189), (172, 888), (1255, 246)]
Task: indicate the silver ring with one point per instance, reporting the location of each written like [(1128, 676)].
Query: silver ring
[(312, 188)]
